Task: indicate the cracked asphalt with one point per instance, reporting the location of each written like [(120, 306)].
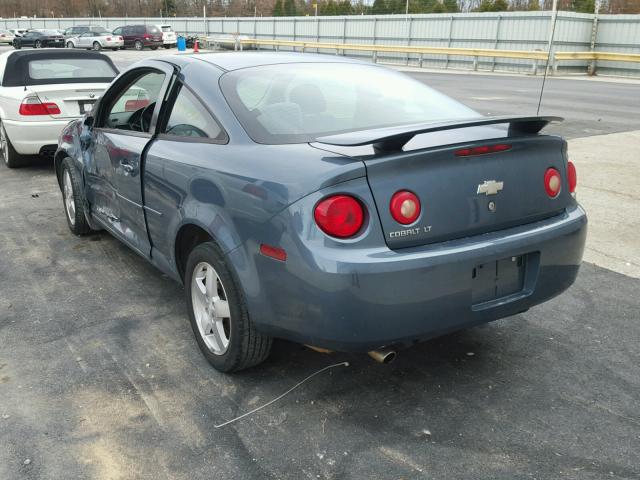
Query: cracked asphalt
[(100, 378)]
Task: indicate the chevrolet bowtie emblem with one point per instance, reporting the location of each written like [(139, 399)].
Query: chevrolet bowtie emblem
[(490, 187)]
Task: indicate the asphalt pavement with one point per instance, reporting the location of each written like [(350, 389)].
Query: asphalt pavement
[(100, 377)]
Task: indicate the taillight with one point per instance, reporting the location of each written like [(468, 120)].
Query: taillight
[(552, 182), (119, 38), (340, 216), (146, 36), (405, 207), (572, 176), (108, 39), (33, 106), (482, 150)]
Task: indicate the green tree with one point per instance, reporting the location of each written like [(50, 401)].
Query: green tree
[(290, 8), (451, 6), (278, 10), (583, 6), (379, 7)]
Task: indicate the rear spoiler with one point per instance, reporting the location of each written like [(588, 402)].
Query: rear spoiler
[(392, 139)]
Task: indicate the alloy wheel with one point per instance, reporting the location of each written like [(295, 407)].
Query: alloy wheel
[(69, 203), (211, 308), (37, 44)]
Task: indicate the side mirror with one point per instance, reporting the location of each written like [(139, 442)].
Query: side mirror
[(88, 122)]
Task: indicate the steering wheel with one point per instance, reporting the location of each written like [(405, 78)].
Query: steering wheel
[(184, 130), (141, 119)]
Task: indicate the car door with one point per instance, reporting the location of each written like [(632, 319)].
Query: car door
[(28, 39), (82, 40), (123, 127), (127, 34), (187, 130)]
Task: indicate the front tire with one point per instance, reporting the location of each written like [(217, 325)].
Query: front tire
[(70, 45), (96, 46), (17, 45), (72, 200), (37, 44), (12, 159), (218, 314), (154, 48)]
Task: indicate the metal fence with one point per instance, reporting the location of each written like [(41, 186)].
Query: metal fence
[(503, 30)]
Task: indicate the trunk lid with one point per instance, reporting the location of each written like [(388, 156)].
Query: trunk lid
[(72, 102), (468, 195)]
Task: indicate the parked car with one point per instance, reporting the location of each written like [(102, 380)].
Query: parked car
[(169, 38), (40, 92), (17, 32), (323, 200), (6, 37), (96, 41), (39, 39), (77, 30), (140, 36)]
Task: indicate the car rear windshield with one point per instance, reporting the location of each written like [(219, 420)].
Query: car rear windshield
[(167, 28), (295, 103), (153, 29), (56, 69)]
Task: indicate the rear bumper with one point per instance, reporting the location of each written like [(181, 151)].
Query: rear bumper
[(29, 137), (365, 299)]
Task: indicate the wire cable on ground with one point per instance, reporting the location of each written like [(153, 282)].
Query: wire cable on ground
[(342, 364)]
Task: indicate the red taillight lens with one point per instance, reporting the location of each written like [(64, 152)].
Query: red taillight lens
[(552, 182), (483, 149), (119, 38), (108, 39), (146, 36), (33, 106), (572, 176), (340, 216), (273, 252), (404, 207)]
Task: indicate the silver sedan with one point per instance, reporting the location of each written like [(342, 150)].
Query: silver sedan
[(96, 41)]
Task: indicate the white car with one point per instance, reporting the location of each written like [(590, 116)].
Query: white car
[(96, 40), (6, 37), (169, 38), (41, 91)]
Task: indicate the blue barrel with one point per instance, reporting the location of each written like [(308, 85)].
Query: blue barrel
[(182, 44)]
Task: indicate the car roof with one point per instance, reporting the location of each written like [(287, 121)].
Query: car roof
[(237, 60)]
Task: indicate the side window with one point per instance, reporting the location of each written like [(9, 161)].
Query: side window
[(190, 119), (118, 31), (139, 30), (133, 108)]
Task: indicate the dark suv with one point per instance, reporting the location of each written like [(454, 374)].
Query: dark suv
[(140, 36)]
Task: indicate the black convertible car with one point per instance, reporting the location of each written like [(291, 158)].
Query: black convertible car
[(39, 39)]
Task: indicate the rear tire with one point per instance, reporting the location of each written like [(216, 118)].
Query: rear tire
[(115, 49), (154, 48), (37, 44), (74, 206), (96, 46), (12, 159), (138, 45), (218, 314), (17, 45), (167, 47)]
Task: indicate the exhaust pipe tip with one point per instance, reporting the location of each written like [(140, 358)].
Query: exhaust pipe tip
[(383, 356)]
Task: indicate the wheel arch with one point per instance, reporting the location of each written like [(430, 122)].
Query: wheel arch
[(58, 158), (188, 237)]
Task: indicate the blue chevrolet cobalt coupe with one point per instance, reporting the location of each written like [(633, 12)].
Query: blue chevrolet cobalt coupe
[(322, 200)]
